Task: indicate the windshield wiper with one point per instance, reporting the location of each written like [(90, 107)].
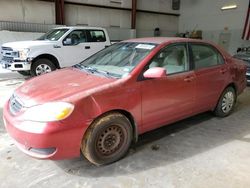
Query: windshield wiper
[(95, 70)]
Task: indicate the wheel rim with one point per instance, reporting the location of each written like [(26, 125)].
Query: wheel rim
[(110, 140), (227, 102), (43, 69)]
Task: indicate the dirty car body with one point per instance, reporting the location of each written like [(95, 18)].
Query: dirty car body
[(147, 82)]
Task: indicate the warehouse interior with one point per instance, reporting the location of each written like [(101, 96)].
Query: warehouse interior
[(201, 151), (116, 16)]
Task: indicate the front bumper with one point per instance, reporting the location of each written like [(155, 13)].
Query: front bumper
[(45, 140), (248, 77), (16, 65)]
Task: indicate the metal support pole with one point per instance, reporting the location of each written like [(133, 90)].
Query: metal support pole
[(133, 14), (59, 7)]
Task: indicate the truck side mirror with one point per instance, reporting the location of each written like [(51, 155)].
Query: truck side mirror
[(68, 41)]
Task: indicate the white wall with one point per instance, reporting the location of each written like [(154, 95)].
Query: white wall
[(28, 11), (207, 16)]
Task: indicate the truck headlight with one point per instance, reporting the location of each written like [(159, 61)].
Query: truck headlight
[(23, 54), (53, 111)]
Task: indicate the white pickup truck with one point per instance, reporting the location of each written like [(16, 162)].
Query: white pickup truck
[(58, 48)]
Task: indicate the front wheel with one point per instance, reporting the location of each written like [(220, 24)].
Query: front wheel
[(42, 66), (226, 102), (107, 139)]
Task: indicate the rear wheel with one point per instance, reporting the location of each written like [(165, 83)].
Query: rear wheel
[(226, 102), (42, 66), (107, 139)]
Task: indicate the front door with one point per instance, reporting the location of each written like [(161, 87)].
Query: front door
[(168, 99)]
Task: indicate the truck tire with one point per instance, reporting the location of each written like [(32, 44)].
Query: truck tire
[(24, 73), (107, 139), (42, 66)]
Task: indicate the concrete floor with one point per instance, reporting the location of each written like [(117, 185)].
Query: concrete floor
[(202, 151)]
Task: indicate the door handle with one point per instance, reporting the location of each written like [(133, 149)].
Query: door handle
[(189, 79), (87, 47)]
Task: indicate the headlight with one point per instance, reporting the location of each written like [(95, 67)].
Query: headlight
[(47, 112), (23, 54)]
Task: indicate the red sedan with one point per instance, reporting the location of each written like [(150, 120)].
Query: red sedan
[(99, 106)]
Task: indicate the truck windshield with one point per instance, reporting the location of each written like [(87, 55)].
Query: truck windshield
[(53, 35), (117, 60)]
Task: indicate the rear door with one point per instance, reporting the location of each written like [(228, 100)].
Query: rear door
[(168, 99), (211, 75)]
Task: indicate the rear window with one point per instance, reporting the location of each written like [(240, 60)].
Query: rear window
[(96, 36)]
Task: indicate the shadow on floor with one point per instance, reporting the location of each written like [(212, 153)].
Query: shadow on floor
[(173, 143)]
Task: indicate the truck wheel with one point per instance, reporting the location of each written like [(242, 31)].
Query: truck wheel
[(107, 139), (42, 66), (24, 73), (226, 102)]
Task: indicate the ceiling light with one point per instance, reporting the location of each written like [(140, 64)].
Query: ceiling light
[(228, 7)]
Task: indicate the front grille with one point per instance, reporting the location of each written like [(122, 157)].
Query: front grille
[(15, 104), (7, 49), (248, 69), (8, 59)]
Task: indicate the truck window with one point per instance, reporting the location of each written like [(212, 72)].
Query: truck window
[(95, 36), (77, 36)]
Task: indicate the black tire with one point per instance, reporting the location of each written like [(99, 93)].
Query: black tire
[(45, 65), (24, 73), (107, 139), (224, 108)]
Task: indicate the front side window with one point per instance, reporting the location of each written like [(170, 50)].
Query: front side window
[(76, 37), (117, 60), (173, 58), (53, 35), (205, 56)]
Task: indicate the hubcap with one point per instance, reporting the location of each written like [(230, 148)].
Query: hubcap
[(42, 69), (110, 140), (227, 102)]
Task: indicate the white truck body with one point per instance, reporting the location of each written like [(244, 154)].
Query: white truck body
[(70, 46)]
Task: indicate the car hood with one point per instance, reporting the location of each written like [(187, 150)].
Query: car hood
[(60, 85), (27, 44)]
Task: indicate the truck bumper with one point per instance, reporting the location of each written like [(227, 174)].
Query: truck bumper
[(16, 66)]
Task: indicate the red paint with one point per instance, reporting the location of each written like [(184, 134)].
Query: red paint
[(151, 102)]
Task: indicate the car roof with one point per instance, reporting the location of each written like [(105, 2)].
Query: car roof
[(160, 40), (79, 27)]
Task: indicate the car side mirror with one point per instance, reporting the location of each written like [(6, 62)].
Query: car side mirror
[(155, 72), (68, 41)]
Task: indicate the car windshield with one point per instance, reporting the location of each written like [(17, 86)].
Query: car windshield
[(117, 60), (53, 35)]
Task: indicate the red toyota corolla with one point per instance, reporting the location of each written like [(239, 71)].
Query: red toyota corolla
[(98, 107)]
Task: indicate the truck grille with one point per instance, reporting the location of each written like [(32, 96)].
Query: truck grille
[(248, 69), (15, 105), (8, 59)]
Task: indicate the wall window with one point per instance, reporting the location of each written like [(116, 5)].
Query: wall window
[(205, 56), (173, 58)]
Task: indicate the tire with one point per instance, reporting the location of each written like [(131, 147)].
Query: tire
[(226, 103), (107, 139), (42, 66), (24, 73)]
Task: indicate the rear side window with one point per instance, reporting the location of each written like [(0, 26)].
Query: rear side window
[(205, 56), (96, 36)]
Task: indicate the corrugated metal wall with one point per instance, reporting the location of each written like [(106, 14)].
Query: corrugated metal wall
[(26, 27)]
